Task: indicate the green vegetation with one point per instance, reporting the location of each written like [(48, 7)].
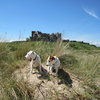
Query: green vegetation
[(82, 46), (83, 60)]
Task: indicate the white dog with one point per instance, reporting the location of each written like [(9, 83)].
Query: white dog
[(53, 63), (35, 61)]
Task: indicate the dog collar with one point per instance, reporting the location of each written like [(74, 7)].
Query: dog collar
[(35, 58)]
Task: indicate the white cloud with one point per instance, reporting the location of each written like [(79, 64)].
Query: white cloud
[(95, 43), (91, 13)]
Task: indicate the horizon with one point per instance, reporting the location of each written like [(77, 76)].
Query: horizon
[(24, 40), (79, 21)]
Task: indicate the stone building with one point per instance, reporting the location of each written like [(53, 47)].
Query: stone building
[(39, 36)]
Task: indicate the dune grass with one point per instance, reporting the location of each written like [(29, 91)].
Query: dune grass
[(82, 62)]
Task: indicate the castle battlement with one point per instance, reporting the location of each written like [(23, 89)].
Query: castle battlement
[(39, 36)]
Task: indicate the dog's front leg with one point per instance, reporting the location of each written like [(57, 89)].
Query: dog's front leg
[(50, 69), (31, 67), (56, 71)]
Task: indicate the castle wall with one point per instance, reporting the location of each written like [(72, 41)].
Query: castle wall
[(39, 36)]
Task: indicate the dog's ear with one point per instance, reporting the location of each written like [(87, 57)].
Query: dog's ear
[(52, 57), (30, 51), (33, 52)]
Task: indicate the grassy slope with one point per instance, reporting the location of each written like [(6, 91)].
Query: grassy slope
[(78, 58)]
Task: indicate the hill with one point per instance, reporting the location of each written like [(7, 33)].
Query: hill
[(80, 62)]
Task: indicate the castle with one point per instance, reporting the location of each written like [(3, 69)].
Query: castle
[(39, 36)]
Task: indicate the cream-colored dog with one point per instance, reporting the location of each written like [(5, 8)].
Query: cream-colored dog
[(35, 60)]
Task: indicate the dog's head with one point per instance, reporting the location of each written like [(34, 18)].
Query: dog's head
[(30, 55), (50, 60)]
